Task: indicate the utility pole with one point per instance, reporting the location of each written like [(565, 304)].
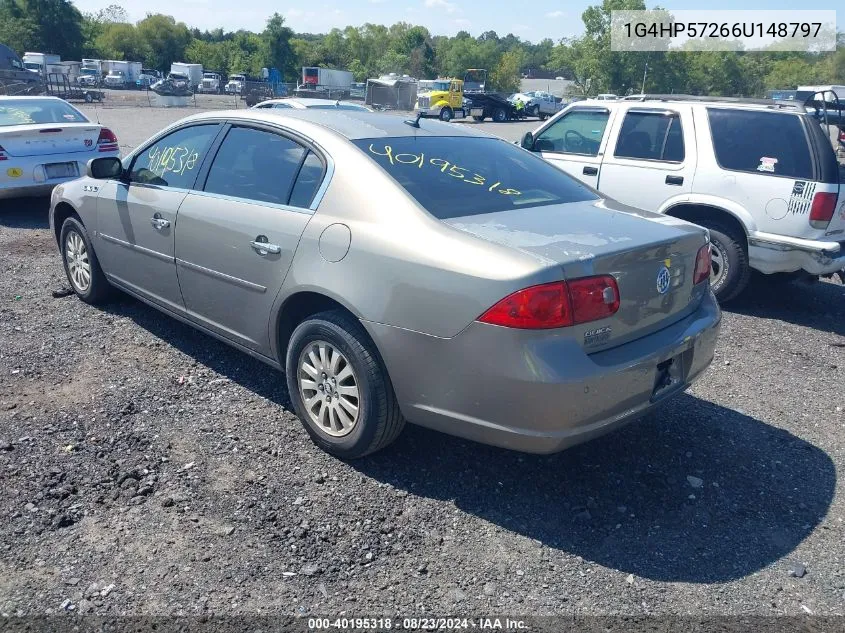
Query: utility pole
[(645, 72)]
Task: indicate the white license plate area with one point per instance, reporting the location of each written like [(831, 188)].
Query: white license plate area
[(61, 170)]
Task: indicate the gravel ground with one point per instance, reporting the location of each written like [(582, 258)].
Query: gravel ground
[(149, 469)]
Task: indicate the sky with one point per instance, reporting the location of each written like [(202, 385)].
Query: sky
[(531, 20)]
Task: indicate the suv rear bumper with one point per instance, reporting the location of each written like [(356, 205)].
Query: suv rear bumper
[(770, 253)]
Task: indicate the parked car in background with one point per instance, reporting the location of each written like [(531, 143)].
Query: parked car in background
[(312, 104), (494, 297), (607, 97), (761, 176), (538, 103), (45, 141)]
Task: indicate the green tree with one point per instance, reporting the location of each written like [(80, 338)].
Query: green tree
[(166, 40), (46, 26), (17, 30), (505, 76), (120, 41), (278, 41)]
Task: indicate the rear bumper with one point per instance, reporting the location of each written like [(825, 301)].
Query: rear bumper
[(537, 392), (770, 253)]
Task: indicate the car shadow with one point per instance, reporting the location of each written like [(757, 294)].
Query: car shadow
[(818, 305), (25, 213), (694, 493)]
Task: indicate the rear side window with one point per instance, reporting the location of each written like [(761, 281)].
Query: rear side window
[(651, 136), (307, 182), (769, 143), (459, 176), (255, 165), (577, 132)]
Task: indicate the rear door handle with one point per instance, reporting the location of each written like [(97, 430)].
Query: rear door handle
[(158, 222), (590, 171), (674, 180), (263, 247)]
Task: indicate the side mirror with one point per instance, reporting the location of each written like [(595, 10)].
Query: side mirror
[(104, 168), (528, 141)]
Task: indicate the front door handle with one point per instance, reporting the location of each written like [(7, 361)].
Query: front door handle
[(674, 180), (158, 222), (263, 247), (590, 171)]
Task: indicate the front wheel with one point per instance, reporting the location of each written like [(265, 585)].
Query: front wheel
[(339, 388), (499, 115), (730, 271), (446, 114), (81, 264)]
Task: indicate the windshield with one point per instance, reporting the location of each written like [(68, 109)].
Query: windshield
[(452, 177), (440, 85), (26, 112), (88, 71), (32, 65), (236, 78), (209, 76)]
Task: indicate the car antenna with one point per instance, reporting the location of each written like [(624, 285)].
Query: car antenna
[(416, 122)]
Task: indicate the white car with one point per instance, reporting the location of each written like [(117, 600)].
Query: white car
[(45, 141), (311, 104), (762, 176)]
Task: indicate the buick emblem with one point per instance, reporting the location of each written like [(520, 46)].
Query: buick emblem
[(664, 280)]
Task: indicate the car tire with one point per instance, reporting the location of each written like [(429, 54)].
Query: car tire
[(88, 97), (543, 116), (378, 420), (446, 114), (499, 115), (479, 119), (728, 253), (535, 111), (82, 268)]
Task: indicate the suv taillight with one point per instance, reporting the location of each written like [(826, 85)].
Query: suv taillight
[(557, 304), (3, 154), (824, 204), (702, 265), (107, 142)]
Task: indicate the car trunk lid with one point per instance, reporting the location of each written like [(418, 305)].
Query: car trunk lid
[(49, 138), (653, 261)]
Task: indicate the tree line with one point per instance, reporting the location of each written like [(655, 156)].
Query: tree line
[(57, 26)]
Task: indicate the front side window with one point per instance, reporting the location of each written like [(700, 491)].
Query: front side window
[(768, 143), (651, 136), (173, 161), (460, 176), (255, 165), (577, 132)]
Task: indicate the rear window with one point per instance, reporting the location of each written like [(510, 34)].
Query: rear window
[(458, 176), (769, 143), (38, 111)]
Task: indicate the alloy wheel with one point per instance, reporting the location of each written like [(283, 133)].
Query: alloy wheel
[(78, 262), (329, 388)]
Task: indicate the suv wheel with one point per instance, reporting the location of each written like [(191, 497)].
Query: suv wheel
[(730, 273), (81, 265), (339, 388)]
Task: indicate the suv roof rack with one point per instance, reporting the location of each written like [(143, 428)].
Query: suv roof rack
[(770, 103)]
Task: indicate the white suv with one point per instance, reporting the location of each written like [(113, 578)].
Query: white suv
[(762, 177)]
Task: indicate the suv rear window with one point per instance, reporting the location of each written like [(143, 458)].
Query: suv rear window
[(459, 176), (770, 143)]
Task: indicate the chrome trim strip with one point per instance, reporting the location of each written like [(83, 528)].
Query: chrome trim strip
[(237, 281), (260, 203), (135, 247)]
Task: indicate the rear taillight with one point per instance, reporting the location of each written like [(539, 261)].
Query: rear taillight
[(3, 154), (107, 142), (824, 204), (557, 304), (842, 136), (702, 265), (593, 298)]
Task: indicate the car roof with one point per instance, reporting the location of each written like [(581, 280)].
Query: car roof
[(310, 103), (744, 103), (350, 124)]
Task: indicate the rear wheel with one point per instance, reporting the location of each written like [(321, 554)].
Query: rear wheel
[(730, 272), (81, 265), (339, 388), (535, 111), (446, 114)]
